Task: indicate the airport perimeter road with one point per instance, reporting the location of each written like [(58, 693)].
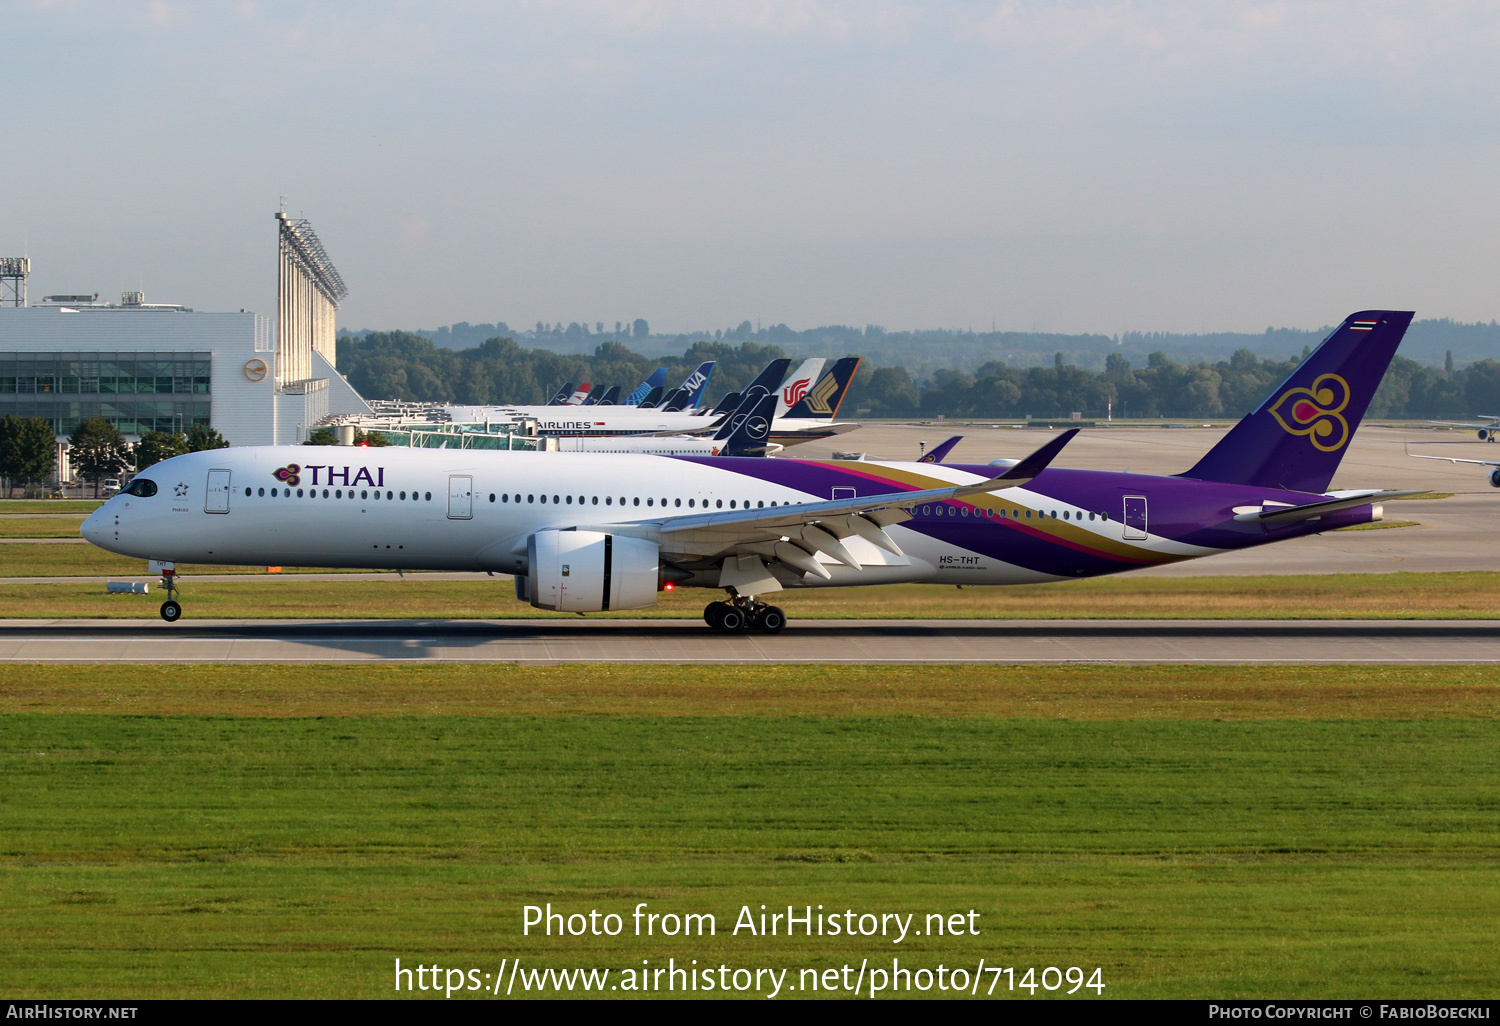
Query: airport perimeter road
[(808, 641)]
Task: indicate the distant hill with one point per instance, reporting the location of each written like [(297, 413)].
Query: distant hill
[(925, 351)]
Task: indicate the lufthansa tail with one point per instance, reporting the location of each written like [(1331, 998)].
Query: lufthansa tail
[(751, 432), (1299, 434)]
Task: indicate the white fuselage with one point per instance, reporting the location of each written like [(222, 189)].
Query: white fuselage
[(462, 510)]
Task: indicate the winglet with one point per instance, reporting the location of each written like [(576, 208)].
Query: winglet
[(1022, 472), (1038, 461)]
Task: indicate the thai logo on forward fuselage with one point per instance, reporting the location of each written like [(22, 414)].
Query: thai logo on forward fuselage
[(332, 475), (1316, 412), (793, 393)]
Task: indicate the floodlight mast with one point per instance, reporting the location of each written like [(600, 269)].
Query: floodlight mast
[(302, 245), (308, 292)]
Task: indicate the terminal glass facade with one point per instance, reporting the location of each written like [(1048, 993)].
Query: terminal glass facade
[(135, 391)]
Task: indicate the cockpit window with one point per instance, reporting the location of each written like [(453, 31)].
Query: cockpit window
[(141, 487)]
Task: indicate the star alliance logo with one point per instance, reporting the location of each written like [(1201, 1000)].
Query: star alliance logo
[(181, 489)]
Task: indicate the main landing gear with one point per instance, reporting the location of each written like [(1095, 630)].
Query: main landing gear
[(741, 613), (171, 609)]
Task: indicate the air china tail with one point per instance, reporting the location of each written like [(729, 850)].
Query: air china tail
[(586, 532)]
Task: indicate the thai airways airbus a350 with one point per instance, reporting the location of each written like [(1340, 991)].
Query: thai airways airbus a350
[(584, 532)]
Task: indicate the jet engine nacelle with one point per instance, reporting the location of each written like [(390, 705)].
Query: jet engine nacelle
[(1495, 477), (589, 572)]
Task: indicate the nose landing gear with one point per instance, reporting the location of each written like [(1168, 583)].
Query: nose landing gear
[(742, 613), (171, 609)]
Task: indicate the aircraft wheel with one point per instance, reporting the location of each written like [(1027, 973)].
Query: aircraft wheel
[(771, 620), (171, 610), (712, 612), (731, 619)]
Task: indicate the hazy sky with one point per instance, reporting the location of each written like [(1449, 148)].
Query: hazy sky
[(1070, 166)]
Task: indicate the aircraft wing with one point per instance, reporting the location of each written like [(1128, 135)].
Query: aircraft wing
[(794, 534), (1295, 514)]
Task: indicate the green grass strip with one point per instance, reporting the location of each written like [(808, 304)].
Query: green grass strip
[(1473, 595)]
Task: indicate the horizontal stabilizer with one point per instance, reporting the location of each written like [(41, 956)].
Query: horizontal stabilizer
[(1454, 459), (1296, 514)]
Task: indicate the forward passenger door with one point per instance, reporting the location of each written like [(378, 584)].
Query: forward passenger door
[(460, 497), (216, 500)]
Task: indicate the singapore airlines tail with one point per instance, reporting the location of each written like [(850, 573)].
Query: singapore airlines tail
[(821, 402)]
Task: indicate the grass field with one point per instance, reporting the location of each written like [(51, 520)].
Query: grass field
[(41, 527), (1474, 595), (81, 506), (281, 831)]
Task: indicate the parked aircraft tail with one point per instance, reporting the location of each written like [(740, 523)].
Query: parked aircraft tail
[(769, 378), (657, 379), (652, 398), (798, 382), (939, 452), (580, 395), (823, 399), (562, 395), (726, 404), (751, 435), (1299, 434), (609, 398), (765, 382), (695, 383), (673, 401)]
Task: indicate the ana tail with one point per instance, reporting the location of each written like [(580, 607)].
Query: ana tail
[(1299, 434)]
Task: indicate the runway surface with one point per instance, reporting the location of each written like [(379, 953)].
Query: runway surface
[(808, 641)]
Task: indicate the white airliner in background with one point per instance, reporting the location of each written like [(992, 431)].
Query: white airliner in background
[(1487, 431)]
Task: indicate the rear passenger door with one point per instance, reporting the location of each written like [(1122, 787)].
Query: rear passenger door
[(1135, 518)]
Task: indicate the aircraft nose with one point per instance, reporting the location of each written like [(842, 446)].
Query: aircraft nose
[(93, 526)]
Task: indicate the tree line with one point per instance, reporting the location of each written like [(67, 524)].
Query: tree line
[(96, 449), (404, 366)]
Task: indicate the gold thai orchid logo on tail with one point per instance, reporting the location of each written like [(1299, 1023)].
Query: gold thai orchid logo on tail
[(1316, 412)]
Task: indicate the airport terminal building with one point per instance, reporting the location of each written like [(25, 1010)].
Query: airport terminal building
[(162, 367)]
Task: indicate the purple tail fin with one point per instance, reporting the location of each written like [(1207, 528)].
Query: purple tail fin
[(1299, 434)]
